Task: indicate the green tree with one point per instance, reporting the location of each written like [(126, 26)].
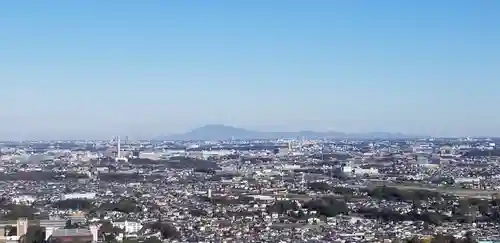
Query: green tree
[(130, 241), (77, 204), (124, 206), (109, 232), (70, 225), (153, 240), (35, 234), (415, 239), (469, 237), (167, 230), (20, 211)]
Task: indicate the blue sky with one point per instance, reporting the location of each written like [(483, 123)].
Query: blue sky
[(71, 69)]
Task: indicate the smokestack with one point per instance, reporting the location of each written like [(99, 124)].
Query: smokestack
[(118, 147), (94, 229)]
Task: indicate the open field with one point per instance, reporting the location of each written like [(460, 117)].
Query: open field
[(479, 193)]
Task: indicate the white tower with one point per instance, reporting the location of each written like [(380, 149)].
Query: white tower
[(22, 227), (118, 147), (119, 157), (94, 229)]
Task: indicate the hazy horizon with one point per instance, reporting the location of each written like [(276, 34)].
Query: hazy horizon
[(266, 129), (97, 69)]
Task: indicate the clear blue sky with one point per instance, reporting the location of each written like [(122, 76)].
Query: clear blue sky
[(92, 68)]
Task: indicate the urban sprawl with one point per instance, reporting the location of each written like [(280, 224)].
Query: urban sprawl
[(280, 190)]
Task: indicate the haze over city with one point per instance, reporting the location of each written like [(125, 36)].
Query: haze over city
[(325, 121), (96, 69)]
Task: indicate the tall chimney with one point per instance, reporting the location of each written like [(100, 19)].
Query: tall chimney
[(118, 147)]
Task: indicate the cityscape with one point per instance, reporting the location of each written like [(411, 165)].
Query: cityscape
[(252, 190), (263, 121)]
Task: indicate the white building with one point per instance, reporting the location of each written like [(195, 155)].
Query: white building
[(151, 155), (287, 167), (359, 171), (88, 195), (129, 227), (205, 154), (467, 180), (24, 199), (102, 169)]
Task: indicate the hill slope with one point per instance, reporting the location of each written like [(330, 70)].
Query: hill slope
[(224, 132)]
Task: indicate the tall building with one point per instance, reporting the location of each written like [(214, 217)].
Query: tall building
[(118, 149), (22, 226)]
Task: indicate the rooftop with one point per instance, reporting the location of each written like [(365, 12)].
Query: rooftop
[(71, 232)]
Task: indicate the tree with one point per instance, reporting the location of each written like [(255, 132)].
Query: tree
[(282, 207), (124, 206), (108, 231), (319, 186), (19, 211), (167, 230), (415, 239), (328, 206), (77, 204), (469, 237), (432, 218), (131, 241), (70, 225), (153, 240), (35, 234)]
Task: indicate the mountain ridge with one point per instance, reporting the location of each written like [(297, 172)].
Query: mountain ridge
[(226, 132)]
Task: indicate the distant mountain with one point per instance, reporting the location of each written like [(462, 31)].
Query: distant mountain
[(214, 132), (224, 132)]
